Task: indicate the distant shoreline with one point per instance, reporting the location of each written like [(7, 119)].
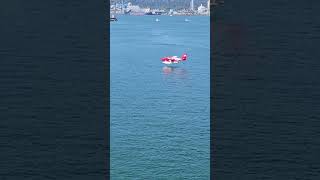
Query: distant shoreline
[(159, 15)]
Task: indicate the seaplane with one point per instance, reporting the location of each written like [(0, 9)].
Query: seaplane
[(174, 59)]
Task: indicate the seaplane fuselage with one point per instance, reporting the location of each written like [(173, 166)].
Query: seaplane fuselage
[(173, 59)]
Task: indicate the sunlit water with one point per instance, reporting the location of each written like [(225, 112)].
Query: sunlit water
[(160, 125)]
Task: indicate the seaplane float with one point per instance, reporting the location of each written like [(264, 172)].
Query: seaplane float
[(173, 59)]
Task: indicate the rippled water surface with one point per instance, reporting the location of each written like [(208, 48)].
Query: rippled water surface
[(52, 96), (268, 90), (160, 124)]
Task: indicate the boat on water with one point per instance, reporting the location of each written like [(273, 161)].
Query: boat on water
[(113, 18), (157, 20), (153, 13), (186, 20)]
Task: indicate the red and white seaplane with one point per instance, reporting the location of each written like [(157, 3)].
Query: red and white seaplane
[(173, 59)]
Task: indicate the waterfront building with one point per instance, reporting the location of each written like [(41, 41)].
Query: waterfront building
[(208, 7), (202, 10), (136, 10), (191, 5)]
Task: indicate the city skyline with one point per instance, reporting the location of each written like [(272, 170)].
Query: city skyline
[(163, 4), (129, 8)]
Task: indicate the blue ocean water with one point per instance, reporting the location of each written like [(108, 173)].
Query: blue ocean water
[(52, 96), (160, 125), (267, 85)]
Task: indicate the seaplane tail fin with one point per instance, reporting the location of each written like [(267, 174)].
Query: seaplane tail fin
[(184, 57)]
